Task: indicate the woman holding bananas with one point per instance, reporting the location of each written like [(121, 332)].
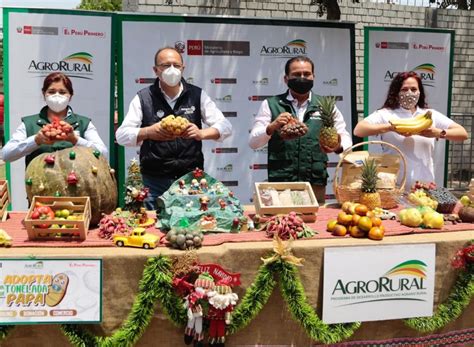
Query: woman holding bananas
[(406, 122)]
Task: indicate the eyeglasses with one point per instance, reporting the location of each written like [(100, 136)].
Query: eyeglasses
[(168, 65), (54, 91)]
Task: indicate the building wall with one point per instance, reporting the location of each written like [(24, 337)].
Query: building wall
[(363, 14)]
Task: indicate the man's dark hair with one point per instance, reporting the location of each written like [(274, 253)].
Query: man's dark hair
[(298, 58), (165, 48)]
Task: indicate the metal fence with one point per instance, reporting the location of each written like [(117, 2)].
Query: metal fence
[(460, 156)]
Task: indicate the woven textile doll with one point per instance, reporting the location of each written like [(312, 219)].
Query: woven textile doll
[(221, 303), (194, 305)]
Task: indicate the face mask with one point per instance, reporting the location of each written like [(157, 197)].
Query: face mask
[(300, 85), (408, 99), (171, 76), (57, 102)]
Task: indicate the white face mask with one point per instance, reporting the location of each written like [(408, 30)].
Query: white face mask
[(57, 102), (408, 99), (171, 76)]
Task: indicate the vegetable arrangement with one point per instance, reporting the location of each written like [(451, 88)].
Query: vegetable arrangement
[(284, 226)]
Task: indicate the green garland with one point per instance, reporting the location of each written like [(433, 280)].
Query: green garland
[(256, 296), (458, 300), (156, 286), (5, 330), (293, 293)]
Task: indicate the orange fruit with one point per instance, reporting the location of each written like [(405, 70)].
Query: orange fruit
[(376, 233), (344, 218), (353, 207), (370, 214), (339, 230), (376, 221), (346, 205), (365, 223), (355, 231), (355, 219), (331, 224), (361, 210)]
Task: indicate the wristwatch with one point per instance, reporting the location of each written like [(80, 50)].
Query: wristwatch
[(442, 134)]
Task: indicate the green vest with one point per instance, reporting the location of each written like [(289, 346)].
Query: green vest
[(35, 122), (301, 159)]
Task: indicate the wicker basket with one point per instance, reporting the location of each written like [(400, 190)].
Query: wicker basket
[(388, 197)]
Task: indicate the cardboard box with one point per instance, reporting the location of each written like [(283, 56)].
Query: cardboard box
[(74, 230), (388, 166), (308, 212)]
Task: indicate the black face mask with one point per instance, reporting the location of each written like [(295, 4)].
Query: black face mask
[(300, 85)]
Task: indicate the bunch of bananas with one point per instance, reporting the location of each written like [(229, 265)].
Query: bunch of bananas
[(413, 125)]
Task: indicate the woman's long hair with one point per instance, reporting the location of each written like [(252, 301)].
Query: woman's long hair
[(392, 101)]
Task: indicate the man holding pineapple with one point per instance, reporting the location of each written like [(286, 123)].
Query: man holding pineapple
[(303, 159)]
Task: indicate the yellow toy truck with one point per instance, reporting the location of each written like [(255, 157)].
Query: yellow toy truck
[(138, 238)]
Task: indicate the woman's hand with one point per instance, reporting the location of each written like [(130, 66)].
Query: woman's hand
[(431, 132), (71, 137), (42, 139)]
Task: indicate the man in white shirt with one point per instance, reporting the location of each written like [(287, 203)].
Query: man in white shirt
[(165, 157), (301, 159)]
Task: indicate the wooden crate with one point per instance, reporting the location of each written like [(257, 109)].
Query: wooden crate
[(76, 230), (4, 199), (308, 212)]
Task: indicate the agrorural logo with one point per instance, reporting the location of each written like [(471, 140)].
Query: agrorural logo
[(403, 282), (427, 73), (291, 49), (77, 65), (263, 82), (332, 82), (225, 98), (263, 149), (227, 168)]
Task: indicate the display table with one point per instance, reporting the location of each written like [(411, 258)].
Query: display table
[(122, 270)]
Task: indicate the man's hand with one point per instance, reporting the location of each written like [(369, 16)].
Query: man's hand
[(42, 139), (280, 121), (156, 132), (327, 149), (193, 132)]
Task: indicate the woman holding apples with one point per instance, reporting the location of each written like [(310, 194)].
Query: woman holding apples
[(56, 127)]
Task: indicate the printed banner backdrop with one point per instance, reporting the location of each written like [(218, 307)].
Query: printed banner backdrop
[(50, 291), (399, 283), (39, 42), (428, 52), (239, 63)]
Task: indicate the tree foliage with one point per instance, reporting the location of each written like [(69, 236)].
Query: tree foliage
[(100, 5)]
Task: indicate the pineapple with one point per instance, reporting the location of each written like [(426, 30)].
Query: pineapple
[(328, 134), (369, 195)]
